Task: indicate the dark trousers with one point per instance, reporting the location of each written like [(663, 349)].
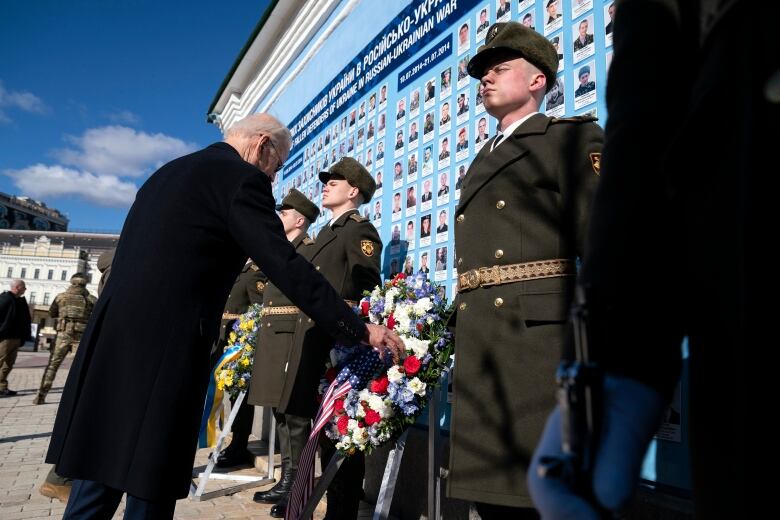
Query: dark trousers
[(91, 500), (346, 489), (492, 511), (293, 432)]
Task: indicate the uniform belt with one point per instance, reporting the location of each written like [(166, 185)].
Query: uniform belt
[(510, 273), (291, 309)]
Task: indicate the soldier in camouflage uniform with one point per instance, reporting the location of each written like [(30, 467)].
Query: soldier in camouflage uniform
[(71, 309)]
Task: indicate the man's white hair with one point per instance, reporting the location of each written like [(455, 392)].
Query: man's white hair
[(263, 124)]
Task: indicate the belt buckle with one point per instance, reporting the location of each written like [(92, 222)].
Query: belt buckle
[(471, 279)]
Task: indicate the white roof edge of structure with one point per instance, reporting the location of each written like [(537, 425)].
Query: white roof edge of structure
[(271, 55)]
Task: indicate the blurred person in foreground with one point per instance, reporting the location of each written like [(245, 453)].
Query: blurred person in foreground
[(670, 254)]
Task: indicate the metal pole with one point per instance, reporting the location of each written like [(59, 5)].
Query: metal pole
[(389, 478)]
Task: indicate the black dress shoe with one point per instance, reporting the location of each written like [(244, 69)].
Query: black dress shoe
[(280, 508), (8, 393), (232, 458), (279, 491)]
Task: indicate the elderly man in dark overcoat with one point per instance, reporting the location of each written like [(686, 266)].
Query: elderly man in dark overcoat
[(531, 186), (128, 419)]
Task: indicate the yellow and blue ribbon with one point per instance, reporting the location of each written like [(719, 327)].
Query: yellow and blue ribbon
[(212, 411)]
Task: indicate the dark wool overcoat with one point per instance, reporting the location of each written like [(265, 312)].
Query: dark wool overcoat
[(526, 200), (133, 400)]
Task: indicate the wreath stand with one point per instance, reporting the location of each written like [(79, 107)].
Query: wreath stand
[(393, 465), (197, 490)]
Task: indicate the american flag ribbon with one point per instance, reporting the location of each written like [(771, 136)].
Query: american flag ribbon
[(357, 373)]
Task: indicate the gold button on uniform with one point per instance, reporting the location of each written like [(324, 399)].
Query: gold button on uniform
[(461, 217), (268, 324), (500, 204), (499, 253), (462, 306), (498, 302), (317, 268)]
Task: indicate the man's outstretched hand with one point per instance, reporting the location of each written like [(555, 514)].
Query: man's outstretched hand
[(381, 338)]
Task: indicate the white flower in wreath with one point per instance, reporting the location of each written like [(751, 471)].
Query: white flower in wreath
[(382, 406), (390, 300), (394, 374), (402, 319), (418, 346), (416, 386), (422, 306)]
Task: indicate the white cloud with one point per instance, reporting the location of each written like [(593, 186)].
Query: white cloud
[(121, 151), (25, 101), (41, 181), (123, 117)]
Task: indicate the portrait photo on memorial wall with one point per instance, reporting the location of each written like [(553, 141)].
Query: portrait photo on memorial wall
[(380, 154), (463, 73), (377, 211), (371, 104), (462, 144), (441, 262), (400, 111), (370, 133), (609, 20), (399, 140), (579, 7), (481, 133), (381, 124), (413, 134), (350, 147), (503, 10), (442, 228), (383, 96), (585, 81), (425, 226), (398, 174), (378, 178), (430, 93), (396, 206), (464, 37), (428, 126), (483, 23), (583, 45), (362, 112), (460, 179), (411, 201), (427, 195), (444, 117), (427, 166), (553, 17), (463, 107), (444, 152), (554, 105), (409, 265), (424, 263), (479, 103), (443, 193), (414, 103), (527, 19), (411, 167), (446, 83)]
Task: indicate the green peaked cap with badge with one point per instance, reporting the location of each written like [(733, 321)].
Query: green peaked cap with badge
[(516, 38), (298, 201), (354, 173)]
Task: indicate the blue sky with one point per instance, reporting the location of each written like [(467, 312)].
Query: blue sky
[(96, 94)]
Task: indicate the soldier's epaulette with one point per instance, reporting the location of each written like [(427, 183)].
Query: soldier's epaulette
[(357, 218), (308, 241), (585, 118)]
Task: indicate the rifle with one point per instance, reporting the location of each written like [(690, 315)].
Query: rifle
[(580, 398)]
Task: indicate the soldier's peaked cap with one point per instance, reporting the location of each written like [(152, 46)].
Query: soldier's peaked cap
[(517, 39), (298, 201), (354, 173)]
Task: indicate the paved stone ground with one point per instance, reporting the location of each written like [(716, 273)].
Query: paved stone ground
[(24, 437)]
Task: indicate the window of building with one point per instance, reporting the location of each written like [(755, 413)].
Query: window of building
[(51, 274), (64, 275), (24, 273), (37, 274), (32, 298), (46, 298), (10, 273)]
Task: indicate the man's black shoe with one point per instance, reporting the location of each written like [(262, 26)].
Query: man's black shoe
[(280, 508), (232, 458), (8, 393), (279, 491)]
